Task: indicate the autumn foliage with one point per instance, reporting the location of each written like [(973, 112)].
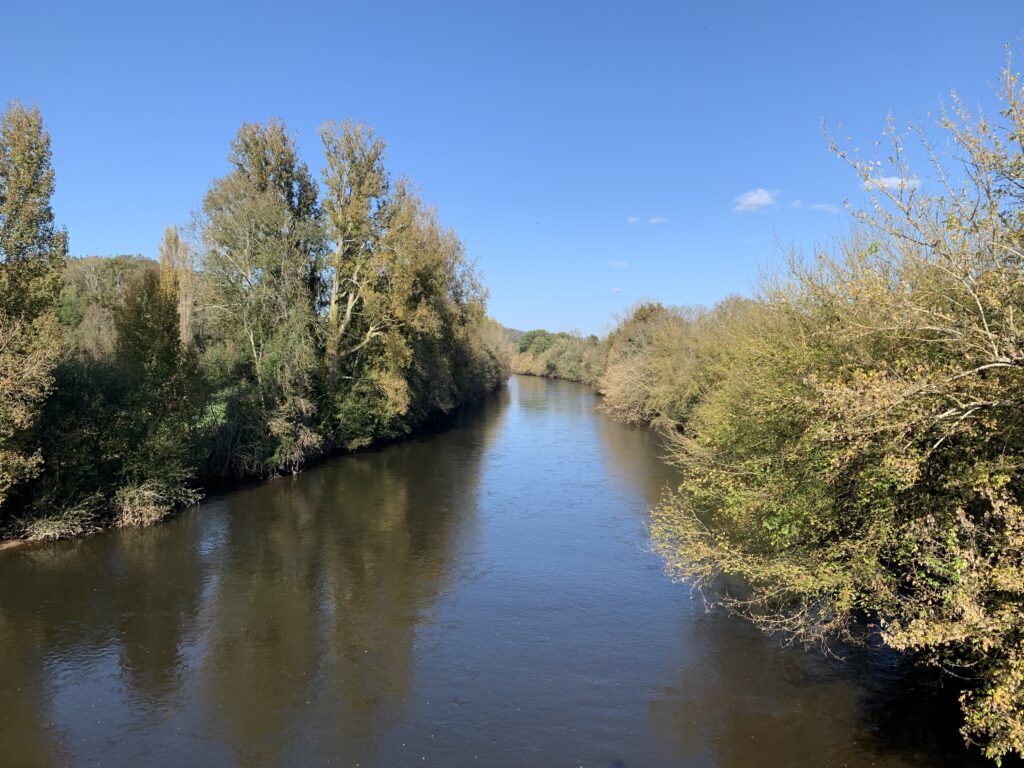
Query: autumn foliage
[(852, 440)]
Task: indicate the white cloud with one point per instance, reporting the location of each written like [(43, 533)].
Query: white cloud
[(756, 200), (892, 182), (618, 264), (795, 204), (657, 220), (748, 240), (827, 207), (616, 290), (633, 220)]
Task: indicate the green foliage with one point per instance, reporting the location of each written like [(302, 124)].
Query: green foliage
[(852, 441), (406, 332), (559, 356), (94, 287), (120, 434), (262, 244), (164, 399), (357, 195), (537, 342), (32, 247), (31, 259), (269, 335)]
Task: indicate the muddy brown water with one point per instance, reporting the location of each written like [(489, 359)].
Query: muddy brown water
[(484, 596)]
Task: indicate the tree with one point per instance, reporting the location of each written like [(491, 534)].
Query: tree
[(121, 431), (160, 408), (856, 452), (263, 248), (32, 252), (177, 275), (357, 192)]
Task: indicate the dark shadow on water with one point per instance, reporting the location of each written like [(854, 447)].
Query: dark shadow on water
[(436, 423), (914, 710)]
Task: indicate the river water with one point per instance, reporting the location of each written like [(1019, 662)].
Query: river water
[(484, 596)]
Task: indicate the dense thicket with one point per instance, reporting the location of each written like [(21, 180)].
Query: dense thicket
[(559, 355), (852, 440), (284, 327)]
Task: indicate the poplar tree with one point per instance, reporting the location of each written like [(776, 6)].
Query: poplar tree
[(357, 191), (32, 252), (263, 251), (178, 276)]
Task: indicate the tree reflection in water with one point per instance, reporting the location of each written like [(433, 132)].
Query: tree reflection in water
[(486, 594), (277, 616)]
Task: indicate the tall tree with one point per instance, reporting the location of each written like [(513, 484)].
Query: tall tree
[(32, 252), (263, 245), (357, 191), (178, 276)]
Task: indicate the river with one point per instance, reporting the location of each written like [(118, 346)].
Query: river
[(483, 596)]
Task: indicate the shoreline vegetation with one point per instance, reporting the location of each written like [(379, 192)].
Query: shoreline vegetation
[(852, 437), (282, 326)]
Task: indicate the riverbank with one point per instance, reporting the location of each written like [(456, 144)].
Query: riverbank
[(254, 346), (433, 423), (484, 594), (854, 503), (566, 356)]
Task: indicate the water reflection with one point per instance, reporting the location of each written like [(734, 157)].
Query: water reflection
[(482, 595), (628, 452), (25, 727), (281, 609), (109, 606), (325, 610)]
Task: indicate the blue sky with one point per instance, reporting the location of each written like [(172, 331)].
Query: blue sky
[(590, 154)]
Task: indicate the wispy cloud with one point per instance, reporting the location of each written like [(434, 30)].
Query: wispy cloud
[(892, 183), (616, 290), (755, 200), (618, 264), (633, 220), (657, 220), (748, 240), (827, 207), (795, 204)]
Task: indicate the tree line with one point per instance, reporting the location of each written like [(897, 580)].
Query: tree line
[(852, 438), (558, 355), (293, 317)]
